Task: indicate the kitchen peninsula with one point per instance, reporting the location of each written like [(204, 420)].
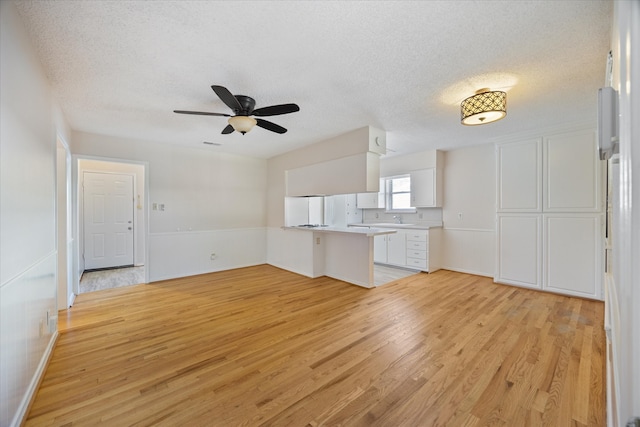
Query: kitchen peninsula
[(343, 253)]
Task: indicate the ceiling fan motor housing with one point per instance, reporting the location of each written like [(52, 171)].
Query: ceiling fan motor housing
[(247, 103)]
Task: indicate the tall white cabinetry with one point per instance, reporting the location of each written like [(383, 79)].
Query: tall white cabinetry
[(550, 214)]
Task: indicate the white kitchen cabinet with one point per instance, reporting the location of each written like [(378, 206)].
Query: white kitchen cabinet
[(372, 200), (549, 214), (426, 188), (380, 249), (397, 248), (346, 175), (417, 249), (366, 200)]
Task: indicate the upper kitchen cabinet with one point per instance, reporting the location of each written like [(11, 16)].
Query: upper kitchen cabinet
[(426, 188), (372, 200), (519, 176), (347, 175), (346, 164), (572, 171)]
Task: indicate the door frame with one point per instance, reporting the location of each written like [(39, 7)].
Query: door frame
[(64, 239), (78, 264)]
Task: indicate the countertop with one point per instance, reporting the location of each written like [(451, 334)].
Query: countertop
[(390, 225), (366, 231)]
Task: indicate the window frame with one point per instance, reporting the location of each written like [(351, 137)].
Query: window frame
[(388, 194)]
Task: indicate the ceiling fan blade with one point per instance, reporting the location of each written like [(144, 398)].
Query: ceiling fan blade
[(226, 97), (228, 129), (270, 126), (276, 110), (201, 113)]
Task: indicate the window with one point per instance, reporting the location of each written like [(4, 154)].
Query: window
[(399, 194)]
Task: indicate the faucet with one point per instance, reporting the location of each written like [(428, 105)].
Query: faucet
[(398, 219)]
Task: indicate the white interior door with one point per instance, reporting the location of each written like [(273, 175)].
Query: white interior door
[(108, 220)]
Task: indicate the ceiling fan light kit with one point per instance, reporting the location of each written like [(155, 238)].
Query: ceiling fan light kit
[(242, 124), (484, 107), (244, 107)]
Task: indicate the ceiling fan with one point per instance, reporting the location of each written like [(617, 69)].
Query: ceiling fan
[(244, 107)]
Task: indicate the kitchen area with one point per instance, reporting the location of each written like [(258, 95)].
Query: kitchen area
[(360, 238), (357, 218)]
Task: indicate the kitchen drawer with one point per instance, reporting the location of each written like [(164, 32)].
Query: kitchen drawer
[(419, 236), (415, 253), (413, 245), (417, 263)]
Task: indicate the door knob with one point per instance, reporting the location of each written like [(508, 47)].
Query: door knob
[(129, 228)]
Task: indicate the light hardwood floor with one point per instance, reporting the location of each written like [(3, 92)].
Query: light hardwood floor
[(263, 346)]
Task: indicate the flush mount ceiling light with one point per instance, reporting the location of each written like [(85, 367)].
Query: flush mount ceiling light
[(242, 124), (484, 107)]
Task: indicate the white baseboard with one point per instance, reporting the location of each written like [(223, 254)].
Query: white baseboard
[(462, 270)]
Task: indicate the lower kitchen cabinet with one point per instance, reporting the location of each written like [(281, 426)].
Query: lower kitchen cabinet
[(397, 248), (417, 249)]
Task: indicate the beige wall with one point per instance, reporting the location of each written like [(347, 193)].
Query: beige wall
[(29, 122), (344, 145), (469, 190), (200, 188)]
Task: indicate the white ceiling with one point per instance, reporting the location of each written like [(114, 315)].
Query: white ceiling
[(121, 67)]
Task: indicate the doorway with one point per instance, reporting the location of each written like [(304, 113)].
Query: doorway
[(107, 220), (111, 201)]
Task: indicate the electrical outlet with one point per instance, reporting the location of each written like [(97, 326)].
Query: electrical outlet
[(53, 324), (213, 256), (155, 206), (317, 240)]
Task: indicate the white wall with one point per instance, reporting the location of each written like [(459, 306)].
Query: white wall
[(29, 121), (213, 203), (623, 286), (469, 211)]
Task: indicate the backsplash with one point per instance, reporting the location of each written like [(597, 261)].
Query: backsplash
[(422, 216)]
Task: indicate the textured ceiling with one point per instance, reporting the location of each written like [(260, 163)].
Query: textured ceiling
[(121, 67)]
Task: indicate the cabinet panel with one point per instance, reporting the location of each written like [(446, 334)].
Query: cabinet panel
[(396, 248), (572, 173), (420, 264), (347, 175), (519, 176), (419, 236), (380, 248), (421, 246), (519, 250), (415, 253), (572, 254), (426, 188)]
